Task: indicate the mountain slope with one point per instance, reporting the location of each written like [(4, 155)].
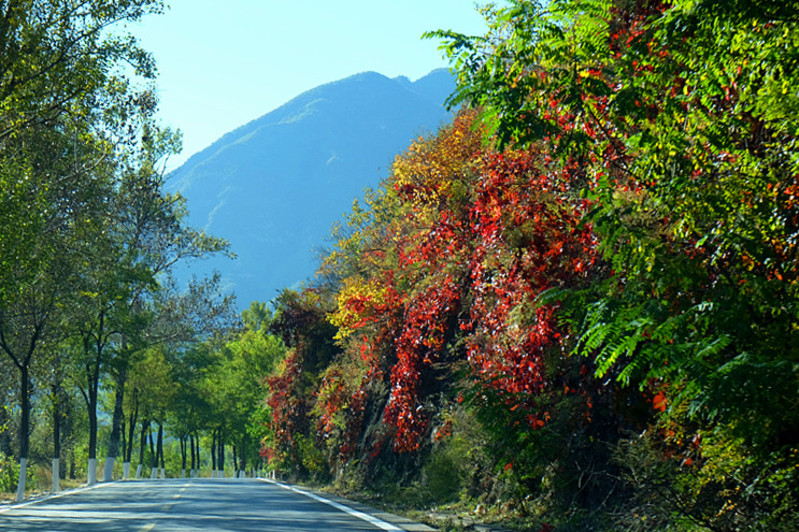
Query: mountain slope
[(275, 186)]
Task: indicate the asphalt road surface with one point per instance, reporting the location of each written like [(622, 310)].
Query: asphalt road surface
[(182, 504)]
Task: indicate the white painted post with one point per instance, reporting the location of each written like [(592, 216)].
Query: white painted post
[(56, 479), (108, 472), (23, 476), (92, 474)]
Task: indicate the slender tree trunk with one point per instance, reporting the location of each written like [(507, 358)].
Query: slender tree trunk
[(154, 457), (92, 471), (142, 443), (213, 453), (191, 448), (183, 456), (197, 453), (93, 379), (244, 454), (55, 388), (127, 448), (131, 435), (24, 428), (116, 426), (124, 437), (125, 462), (161, 448), (220, 455), (235, 462)]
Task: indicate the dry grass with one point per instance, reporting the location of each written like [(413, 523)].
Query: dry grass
[(40, 482)]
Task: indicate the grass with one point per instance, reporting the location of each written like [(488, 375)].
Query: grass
[(40, 482)]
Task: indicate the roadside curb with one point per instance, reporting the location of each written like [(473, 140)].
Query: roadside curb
[(5, 507), (379, 518), (466, 523)]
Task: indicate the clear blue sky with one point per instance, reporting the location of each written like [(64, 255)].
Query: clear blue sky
[(223, 63)]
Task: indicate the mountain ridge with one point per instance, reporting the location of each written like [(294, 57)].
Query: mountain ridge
[(275, 186)]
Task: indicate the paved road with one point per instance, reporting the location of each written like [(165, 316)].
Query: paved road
[(180, 504)]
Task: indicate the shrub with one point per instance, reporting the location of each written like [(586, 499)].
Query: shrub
[(9, 474)]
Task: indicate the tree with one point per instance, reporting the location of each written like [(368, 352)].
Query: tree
[(56, 59), (251, 356), (299, 321), (681, 129), (46, 252), (54, 53)]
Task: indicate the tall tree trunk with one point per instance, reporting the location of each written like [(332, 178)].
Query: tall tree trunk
[(213, 453), (128, 452), (197, 453), (244, 453), (183, 456), (220, 455), (127, 447), (116, 426), (124, 437), (55, 389), (24, 428), (235, 462), (93, 380), (125, 463), (142, 442), (154, 457), (191, 448), (161, 448)]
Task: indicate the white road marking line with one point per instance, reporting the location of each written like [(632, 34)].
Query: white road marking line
[(355, 513)]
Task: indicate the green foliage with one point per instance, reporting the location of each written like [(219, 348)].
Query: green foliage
[(9, 474), (678, 122), (88, 235), (457, 460), (720, 488)]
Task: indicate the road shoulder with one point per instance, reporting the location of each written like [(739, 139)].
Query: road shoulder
[(398, 522)]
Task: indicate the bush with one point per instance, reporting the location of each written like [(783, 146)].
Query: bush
[(9, 474), (456, 456)]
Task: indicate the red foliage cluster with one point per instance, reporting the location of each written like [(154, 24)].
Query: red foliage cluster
[(286, 404), (418, 345), (490, 258), (481, 236), (528, 239)]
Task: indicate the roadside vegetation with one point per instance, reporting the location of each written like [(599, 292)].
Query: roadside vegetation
[(100, 345), (575, 307)]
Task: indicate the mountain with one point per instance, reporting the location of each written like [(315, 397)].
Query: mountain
[(275, 186)]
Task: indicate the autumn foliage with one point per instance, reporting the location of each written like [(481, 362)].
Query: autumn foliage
[(586, 284)]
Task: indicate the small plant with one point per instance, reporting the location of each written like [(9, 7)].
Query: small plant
[(9, 474)]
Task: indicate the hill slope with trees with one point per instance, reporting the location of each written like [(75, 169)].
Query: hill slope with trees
[(577, 304)]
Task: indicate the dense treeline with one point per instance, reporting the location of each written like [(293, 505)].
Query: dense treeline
[(578, 300), (93, 326)]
